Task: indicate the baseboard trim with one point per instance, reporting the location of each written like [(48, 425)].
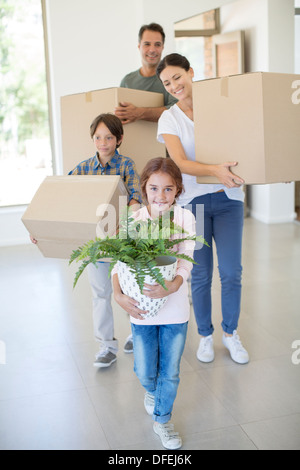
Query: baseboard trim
[(273, 220)]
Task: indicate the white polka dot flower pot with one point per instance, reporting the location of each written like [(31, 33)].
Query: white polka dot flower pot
[(167, 265)]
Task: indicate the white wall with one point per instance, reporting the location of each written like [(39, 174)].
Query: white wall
[(251, 17)]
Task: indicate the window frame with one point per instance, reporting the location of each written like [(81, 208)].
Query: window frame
[(201, 32)]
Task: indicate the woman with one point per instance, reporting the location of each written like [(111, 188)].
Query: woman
[(223, 212)]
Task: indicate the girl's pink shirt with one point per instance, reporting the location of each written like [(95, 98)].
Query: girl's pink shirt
[(177, 308)]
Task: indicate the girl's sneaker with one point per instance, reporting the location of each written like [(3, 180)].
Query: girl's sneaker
[(237, 352), (170, 439), (205, 351), (149, 403)]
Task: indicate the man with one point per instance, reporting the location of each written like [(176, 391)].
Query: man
[(151, 45)]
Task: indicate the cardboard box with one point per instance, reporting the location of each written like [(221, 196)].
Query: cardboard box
[(253, 119), (78, 111), (65, 212)]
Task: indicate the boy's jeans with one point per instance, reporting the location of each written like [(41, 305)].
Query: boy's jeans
[(157, 355), (223, 222), (102, 309)]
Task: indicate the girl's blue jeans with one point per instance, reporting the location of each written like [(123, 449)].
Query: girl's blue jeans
[(223, 221), (157, 354)]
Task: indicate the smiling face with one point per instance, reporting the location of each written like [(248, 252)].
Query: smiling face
[(161, 192), (151, 47), (105, 142), (177, 81)]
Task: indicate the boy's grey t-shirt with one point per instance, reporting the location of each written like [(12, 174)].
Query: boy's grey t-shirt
[(136, 81)]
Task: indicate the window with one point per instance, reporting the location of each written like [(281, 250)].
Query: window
[(25, 151), (193, 39)]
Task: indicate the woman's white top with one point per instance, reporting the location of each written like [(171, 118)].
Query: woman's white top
[(175, 122)]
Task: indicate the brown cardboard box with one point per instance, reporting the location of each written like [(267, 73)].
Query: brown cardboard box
[(63, 213), (79, 110), (253, 119)]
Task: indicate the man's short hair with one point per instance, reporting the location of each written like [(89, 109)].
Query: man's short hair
[(152, 27)]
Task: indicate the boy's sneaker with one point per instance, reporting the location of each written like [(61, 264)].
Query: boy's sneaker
[(105, 358), (170, 439), (237, 352), (128, 346), (149, 403), (205, 351)]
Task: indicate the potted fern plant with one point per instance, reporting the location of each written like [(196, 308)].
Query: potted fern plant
[(143, 251)]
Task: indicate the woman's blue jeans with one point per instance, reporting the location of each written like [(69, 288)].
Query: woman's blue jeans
[(223, 221), (157, 354)]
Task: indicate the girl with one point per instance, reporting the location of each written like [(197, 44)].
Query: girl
[(223, 212), (159, 341)]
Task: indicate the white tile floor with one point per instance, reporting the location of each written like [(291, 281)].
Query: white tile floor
[(51, 397)]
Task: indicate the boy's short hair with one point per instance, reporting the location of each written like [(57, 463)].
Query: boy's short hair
[(152, 27), (112, 122)]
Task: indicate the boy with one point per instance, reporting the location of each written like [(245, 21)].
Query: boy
[(107, 133)]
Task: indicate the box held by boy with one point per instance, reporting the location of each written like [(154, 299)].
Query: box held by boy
[(65, 212)]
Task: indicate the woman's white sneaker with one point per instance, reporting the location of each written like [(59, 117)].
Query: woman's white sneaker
[(205, 351), (169, 438), (237, 352)]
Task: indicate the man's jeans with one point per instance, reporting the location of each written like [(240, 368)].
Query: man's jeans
[(223, 222), (157, 355)]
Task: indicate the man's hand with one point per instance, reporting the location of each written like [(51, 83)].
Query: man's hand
[(127, 112)]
